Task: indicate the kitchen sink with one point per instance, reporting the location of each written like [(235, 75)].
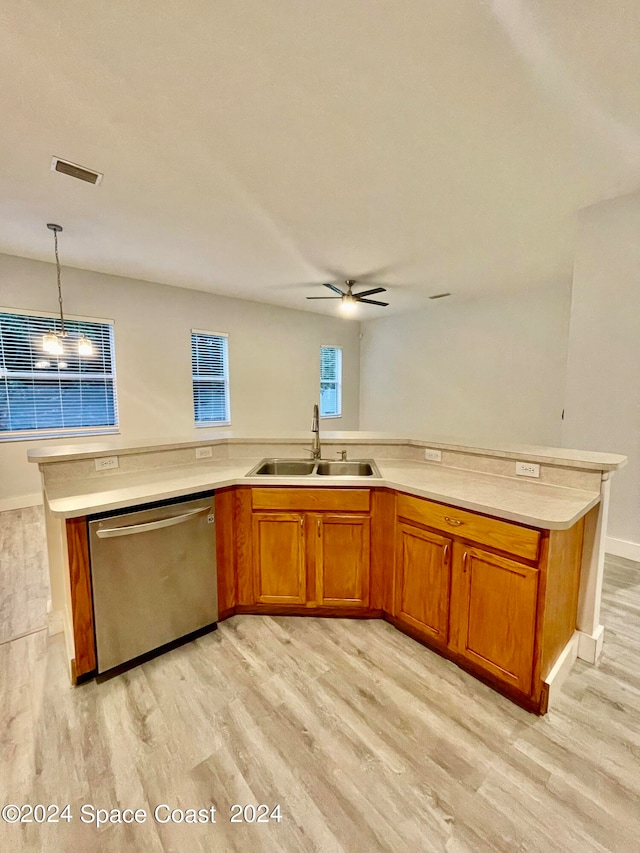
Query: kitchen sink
[(361, 468), (310, 467), (283, 468)]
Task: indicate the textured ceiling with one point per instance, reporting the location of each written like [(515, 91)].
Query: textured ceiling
[(252, 147)]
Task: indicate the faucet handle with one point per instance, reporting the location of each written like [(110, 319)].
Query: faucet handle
[(342, 454)]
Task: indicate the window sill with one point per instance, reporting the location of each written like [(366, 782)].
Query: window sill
[(49, 436), (210, 424)]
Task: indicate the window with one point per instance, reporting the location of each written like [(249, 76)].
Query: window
[(41, 394), (210, 369), (330, 382)]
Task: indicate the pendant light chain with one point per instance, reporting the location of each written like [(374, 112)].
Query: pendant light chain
[(55, 240), (53, 342)]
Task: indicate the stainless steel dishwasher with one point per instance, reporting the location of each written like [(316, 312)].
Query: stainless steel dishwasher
[(154, 577)]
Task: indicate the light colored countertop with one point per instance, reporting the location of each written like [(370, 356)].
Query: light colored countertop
[(584, 459), (539, 505)]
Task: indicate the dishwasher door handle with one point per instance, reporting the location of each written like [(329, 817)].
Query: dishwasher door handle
[(111, 532)]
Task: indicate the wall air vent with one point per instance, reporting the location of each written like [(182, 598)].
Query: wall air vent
[(75, 171), (440, 296)]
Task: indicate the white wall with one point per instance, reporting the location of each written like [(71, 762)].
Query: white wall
[(603, 369), (274, 356), (485, 369)]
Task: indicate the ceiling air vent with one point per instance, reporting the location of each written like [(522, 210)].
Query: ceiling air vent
[(75, 171), (440, 296)]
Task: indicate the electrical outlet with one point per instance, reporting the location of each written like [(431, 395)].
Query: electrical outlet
[(105, 463), (527, 469), (432, 455), (204, 452)]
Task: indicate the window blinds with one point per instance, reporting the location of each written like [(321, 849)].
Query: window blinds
[(330, 382), (60, 395), (210, 370)]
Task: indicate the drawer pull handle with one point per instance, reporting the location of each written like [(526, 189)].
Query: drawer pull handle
[(454, 522)]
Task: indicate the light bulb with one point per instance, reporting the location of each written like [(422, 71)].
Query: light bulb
[(52, 344), (85, 347), (348, 306)]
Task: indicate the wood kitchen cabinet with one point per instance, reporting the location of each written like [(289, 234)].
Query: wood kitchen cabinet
[(342, 559), (422, 581), (496, 616), (279, 557), (305, 553), (497, 597), (314, 559)]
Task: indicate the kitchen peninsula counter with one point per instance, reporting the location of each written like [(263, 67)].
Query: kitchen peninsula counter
[(546, 506), (566, 503)]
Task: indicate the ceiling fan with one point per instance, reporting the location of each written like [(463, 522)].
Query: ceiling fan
[(350, 299)]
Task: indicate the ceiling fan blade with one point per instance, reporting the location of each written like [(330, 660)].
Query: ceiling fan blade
[(324, 297), (334, 288), (373, 302), (370, 292)]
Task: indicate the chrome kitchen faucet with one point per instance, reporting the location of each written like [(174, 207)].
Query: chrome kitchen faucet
[(315, 429)]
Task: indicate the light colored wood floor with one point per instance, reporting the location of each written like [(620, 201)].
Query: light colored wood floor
[(24, 582), (368, 741)]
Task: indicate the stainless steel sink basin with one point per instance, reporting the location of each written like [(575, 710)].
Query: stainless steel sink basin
[(361, 468), (283, 468), (310, 467)]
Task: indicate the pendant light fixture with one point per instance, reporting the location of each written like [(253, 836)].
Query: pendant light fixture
[(53, 342)]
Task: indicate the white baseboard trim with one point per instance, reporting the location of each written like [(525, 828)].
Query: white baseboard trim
[(561, 669), (56, 622), (622, 548), (590, 645), (67, 630), (20, 502)]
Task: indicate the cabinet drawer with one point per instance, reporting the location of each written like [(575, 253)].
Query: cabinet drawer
[(344, 500), (502, 535)]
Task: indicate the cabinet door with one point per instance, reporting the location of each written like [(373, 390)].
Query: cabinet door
[(278, 557), (422, 581), (498, 616), (342, 559)]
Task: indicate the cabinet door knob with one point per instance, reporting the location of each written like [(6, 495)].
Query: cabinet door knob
[(454, 522)]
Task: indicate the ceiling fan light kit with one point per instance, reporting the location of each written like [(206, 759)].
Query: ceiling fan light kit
[(349, 299), (348, 305)]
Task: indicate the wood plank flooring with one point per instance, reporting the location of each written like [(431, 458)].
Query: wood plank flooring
[(368, 741), (24, 579)]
